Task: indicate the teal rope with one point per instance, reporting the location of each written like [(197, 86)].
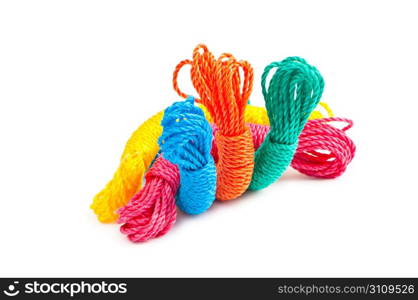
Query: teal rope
[(292, 94)]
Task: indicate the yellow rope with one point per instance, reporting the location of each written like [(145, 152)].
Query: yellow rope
[(140, 150)]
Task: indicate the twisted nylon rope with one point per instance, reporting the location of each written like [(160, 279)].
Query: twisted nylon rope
[(152, 211), (186, 142), (141, 149), (324, 151), (186, 168), (293, 92), (139, 152), (218, 82)]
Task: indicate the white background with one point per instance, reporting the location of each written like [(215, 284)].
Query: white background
[(77, 77)]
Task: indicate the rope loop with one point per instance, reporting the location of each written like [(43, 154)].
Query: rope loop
[(225, 93), (186, 141), (152, 211), (291, 95)]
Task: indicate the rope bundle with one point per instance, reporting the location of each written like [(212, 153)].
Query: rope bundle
[(324, 151), (152, 211), (291, 96), (186, 141), (139, 152), (218, 83), (223, 146), (185, 168)]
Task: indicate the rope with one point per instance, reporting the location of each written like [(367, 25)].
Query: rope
[(185, 168), (140, 150), (324, 151), (152, 211), (292, 94), (218, 82), (186, 142)]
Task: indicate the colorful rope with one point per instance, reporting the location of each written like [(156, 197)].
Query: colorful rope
[(186, 144), (185, 171), (218, 82), (140, 150), (186, 141), (324, 151), (291, 96), (152, 211)]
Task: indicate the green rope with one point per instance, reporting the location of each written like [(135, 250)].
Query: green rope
[(292, 94)]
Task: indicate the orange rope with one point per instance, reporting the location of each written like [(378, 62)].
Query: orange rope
[(225, 95)]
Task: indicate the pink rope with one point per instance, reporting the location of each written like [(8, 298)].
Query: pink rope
[(324, 151), (152, 211)]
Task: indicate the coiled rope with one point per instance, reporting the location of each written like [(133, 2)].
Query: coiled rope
[(324, 150), (185, 168), (292, 94), (152, 211), (186, 142), (140, 150), (218, 82)]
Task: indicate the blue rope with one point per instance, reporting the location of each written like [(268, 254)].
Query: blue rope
[(186, 141)]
